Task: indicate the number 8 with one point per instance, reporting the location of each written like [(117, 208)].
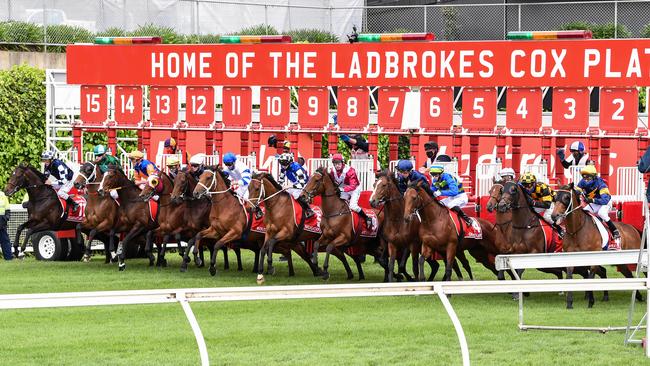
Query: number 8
[(352, 107)]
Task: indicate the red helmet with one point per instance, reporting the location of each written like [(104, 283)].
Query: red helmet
[(338, 157)]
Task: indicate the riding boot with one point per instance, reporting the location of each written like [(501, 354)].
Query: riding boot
[(72, 205), (613, 230), (362, 213), (462, 215), (559, 230), (258, 212), (305, 206)]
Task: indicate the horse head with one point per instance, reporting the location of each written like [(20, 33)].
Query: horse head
[(512, 198), (182, 187), (211, 181), (87, 174), (24, 176), (318, 185), (414, 201), (495, 195), (157, 185), (114, 178), (384, 190), (566, 200)]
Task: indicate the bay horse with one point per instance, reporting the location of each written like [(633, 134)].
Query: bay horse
[(336, 224), (228, 221), (44, 209), (101, 213), (402, 237), (280, 225), (437, 231), (582, 234), (135, 218)]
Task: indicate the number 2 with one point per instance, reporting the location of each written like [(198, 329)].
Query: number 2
[(617, 116)]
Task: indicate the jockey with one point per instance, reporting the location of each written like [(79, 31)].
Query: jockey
[(239, 173), (577, 157), (286, 147), (170, 146), (345, 178), (63, 175), (540, 198), (196, 167), (103, 159), (445, 184), (598, 199), (173, 166), (144, 171), (507, 175), (431, 149), (406, 175), (298, 177)]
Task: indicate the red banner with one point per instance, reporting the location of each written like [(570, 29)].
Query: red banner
[(624, 62)]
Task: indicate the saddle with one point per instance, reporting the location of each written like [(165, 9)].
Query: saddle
[(608, 241), (470, 232)]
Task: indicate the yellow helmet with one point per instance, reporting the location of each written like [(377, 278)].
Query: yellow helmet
[(436, 169), (136, 154), (528, 178), (172, 161), (589, 170)]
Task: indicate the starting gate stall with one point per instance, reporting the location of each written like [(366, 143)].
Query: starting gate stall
[(470, 76)]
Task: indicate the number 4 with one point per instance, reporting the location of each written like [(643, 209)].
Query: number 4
[(521, 109)]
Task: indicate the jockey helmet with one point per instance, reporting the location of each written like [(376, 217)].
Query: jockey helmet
[(170, 142), (528, 178), (589, 170), (286, 144), (196, 159), (47, 155), (285, 159), (172, 161), (436, 169), (229, 158), (404, 166), (577, 146), (99, 150), (272, 141), (430, 145), (136, 154), (507, 172), (337, 157)]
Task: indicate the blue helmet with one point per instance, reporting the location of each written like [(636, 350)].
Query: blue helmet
[(577, 146), (404, 165), (229, 158)]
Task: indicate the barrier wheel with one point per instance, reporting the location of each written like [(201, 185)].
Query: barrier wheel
[(47, 247)]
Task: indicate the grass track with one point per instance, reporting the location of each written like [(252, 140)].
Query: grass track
[(359, 331)]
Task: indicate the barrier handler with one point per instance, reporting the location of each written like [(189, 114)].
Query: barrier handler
[(441, 289)]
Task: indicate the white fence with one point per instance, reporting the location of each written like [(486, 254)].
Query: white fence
[(450, 167), (540, 170), (249, 160), (314, 163), (629, 185), (574, 173), (441, 289), (211, 159), (365, 171), (485, 175)]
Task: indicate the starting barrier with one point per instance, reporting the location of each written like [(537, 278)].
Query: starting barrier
[(540, 170), (630, 185), (486, 173), (365, 172)]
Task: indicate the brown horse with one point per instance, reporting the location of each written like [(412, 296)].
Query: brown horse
[(337, 222), (583, 235), (402, 237), (135, 218), (437, 231), (280, 226), (44, 208), (101, 213)]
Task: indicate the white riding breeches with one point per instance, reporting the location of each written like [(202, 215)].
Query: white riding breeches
[(64, 190), (353, 199), (295, 192), (458, 200), (242, 192), (601, 210), (546, 213)]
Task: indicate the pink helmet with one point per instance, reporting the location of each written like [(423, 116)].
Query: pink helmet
[(338, 157)]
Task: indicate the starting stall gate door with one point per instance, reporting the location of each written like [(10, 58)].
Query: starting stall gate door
[(479, 108), (199, 106), (574, 173), (365, 172), (249, 160), (314, 163), (125, 162), (313, 107), (128, 106), (540, 171), (163, 102), (392, 165), (211, 160), (353, 108), (237, 106), (275, 103), (161, 161), (570, 109), (390, 107), (619, 109), (629, 183), (524, 109), (485, 175), (436, 108), (450, 167)]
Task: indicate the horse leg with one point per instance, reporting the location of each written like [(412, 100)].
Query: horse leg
[(456, 269), (199, 253), (111, 245), (628, 274), (163, 249), (186, 253), (87, 252), (391, 261), (213, 257), (357, 260), (326, 263), (569, 294), (290, 262), (401, 266), (121, 247), (341, 256), (590, 294), (434, 265), (449, 263), (270, 270), (226, 261), (36, 228), (421, 267), (238, 255), (256, 260), (19, 231), (148, 248), (314, 253), (260, 265), (602, 273), (463, 260), (300, 250)]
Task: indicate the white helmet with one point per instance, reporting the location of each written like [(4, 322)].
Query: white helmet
[(197, 159), (507, 172)]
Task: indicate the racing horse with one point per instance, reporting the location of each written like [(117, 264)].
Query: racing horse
[(229, 220), (135, 215), (44, 209), (438, 233), (337, 223), (583, 234), (101, 213), (401, 236)]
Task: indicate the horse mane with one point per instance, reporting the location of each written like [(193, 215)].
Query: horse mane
[(224, 175), (269, 177), (418, 184), (40, 175), (388, 174), (118, 169)]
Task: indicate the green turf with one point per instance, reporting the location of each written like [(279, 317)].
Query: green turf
[(359, 331)]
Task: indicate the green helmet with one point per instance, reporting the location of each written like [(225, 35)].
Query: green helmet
[(99, 150)]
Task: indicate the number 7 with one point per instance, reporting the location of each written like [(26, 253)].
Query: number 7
[(395, 101)]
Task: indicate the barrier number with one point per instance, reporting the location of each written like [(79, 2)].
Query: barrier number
[(479, 111), (94, 100), (127, 103), (198, 104), (312, 101), (619, 109), (274, 106), (395, 102), (235, 102), (434, 107), (521, 109), (352, 106), (571, 107), (618, 113), (163, 104), (92, 103)]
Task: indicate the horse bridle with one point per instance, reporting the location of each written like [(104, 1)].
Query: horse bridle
[(212, 183), (91, 178), (570, 209), (385, 200), (417, 209), (311, 194)]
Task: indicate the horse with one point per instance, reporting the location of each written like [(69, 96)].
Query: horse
[(280, 227), (228, 217), (135, 218), (44, 209), (583, 234), (402, 237), (438, 234), (337, 224), (101, 213)]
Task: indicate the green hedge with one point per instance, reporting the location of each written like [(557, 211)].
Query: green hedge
[(600, 31), (22, 118)]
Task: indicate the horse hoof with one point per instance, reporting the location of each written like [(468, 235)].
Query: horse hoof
[(270, 271), (605, 298), (86, 258), (260, 279), (399, 277), (569, 307), (122, 267), (361, 278), (198, 262), (350, 276), (590, 305), (213, 270), (113, 255), (164, 263), (184, 267), (325, 276), (515, 296)]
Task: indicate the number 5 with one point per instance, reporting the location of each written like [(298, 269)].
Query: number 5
[(479, 111)]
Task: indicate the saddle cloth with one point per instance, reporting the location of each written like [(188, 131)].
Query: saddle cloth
[(365, 231), (471, 232), (77, 215), (607, 240), (552, 241), (312, 224)]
